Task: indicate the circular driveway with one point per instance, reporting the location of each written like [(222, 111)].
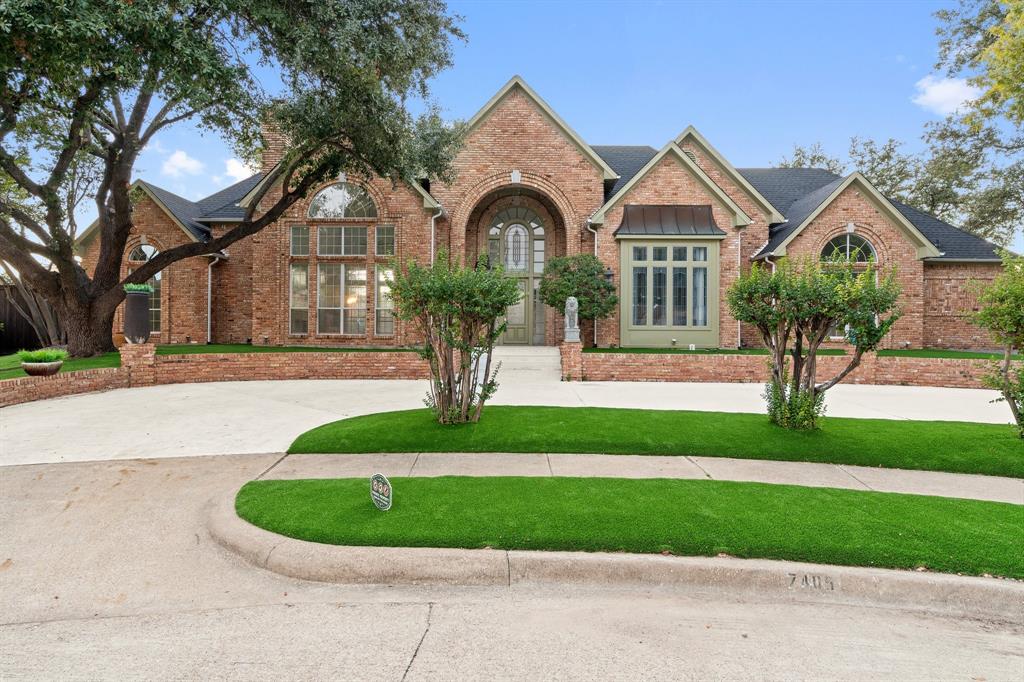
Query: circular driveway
[(265, 416)]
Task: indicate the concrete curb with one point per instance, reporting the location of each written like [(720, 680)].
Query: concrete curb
[(777, 580)]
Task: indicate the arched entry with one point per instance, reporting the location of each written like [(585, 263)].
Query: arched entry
[(516, 241), (520, 229)]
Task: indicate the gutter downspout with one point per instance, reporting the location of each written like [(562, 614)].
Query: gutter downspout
[(209, 296), (433, 231), (591, 229)]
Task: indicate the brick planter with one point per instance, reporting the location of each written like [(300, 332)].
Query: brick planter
[(141, 366), (899, 371)]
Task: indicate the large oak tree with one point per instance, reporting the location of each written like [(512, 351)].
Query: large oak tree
[(97, 79)]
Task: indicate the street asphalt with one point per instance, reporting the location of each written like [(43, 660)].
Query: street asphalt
[(106, 572)]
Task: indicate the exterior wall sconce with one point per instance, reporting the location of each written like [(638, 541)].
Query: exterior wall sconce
[(609, 275)]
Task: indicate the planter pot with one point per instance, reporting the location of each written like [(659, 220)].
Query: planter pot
[(136, 317), (41, 369)]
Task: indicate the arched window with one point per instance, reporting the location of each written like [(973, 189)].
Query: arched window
[(342, 200), (849, 247), (140, 254)]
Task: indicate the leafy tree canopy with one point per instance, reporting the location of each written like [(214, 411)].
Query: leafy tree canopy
[(581, 276), (94, 80)]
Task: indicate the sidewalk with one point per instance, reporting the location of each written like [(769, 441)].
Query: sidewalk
[(966, 486)]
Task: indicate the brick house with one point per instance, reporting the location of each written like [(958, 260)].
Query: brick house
[(673, 227)]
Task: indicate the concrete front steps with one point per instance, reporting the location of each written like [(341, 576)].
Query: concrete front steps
[(528, 364)]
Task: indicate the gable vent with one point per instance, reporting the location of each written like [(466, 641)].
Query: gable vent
[(693, 157)]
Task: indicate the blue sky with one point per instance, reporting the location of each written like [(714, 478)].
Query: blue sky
[(754, 77)]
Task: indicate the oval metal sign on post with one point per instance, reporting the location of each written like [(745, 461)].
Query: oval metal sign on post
[(380, 491)]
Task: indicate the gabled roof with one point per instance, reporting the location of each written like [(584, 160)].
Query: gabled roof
[(804, 210), (799, 191), (516, 82), (191, 216), (691, 134), (740, 218)]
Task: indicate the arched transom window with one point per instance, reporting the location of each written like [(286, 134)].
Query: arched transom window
[(342, 200), (516, 241), (137, 256), (849, 247)]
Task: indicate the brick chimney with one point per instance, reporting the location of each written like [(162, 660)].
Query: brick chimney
[(274, 144)]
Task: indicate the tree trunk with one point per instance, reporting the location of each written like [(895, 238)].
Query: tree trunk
[(89, 329)]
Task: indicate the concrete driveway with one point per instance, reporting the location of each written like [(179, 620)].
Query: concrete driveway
[(107, 573), (266, 416)]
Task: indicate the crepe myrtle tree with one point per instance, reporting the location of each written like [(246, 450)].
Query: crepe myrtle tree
[(796, 306), (97, 79), (1001, 312), (581, 276), (459, 311)]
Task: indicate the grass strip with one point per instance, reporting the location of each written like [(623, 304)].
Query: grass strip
[(959, 447), (10, 365), (203, 349), (706, 518), (702, 351)]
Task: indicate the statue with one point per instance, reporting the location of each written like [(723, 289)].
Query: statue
[(572, 321)]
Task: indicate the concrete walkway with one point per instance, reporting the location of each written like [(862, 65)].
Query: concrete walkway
[(266, 416), (966, 486)]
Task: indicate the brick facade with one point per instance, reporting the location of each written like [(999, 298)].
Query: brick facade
[(516, 153), (141, 366), (900, 371)]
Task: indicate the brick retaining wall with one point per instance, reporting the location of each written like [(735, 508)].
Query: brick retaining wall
[(141, 366), (899, 371)]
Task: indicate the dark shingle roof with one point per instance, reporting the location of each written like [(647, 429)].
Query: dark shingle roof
[(221, 206), (214, 208), (954, 243), (626, 160), (796, 192), (181, 208)]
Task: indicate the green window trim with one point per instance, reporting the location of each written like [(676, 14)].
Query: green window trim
[(670, 292)]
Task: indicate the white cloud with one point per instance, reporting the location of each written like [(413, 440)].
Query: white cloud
[(179, 163), (944, 95), (237, 170)]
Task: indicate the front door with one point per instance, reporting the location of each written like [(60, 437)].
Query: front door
[(516, 241)]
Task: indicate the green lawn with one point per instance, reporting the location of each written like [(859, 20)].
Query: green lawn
[(203, 348), (991, 449), (10, 365), (940, 353), (819, 525), (703, 351)]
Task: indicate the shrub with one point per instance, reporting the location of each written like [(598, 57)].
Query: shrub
[(132, 288), (457, 310), (794, 307), (581, 276), (44, 355), (1002, 313)]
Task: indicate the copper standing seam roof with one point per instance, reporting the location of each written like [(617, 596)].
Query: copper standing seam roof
[(673, 220)]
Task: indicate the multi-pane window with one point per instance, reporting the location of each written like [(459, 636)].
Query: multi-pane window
[(385, 240), (328, 298), (333, 240), (141, 254), (669, 286), (849, 247), (385, 317), (342, 200), (355, 300), (299, 240), (298, 322)]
